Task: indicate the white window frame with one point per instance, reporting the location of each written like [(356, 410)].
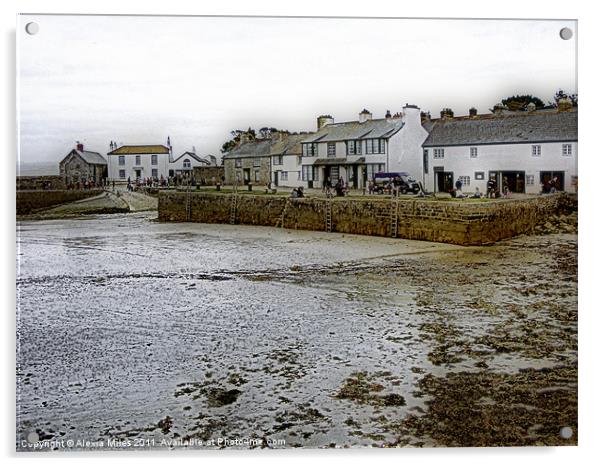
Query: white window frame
[(536, 150), (474, 152), (309, 149), (154, 159), (122, 174), (529, 180), (567, 150), (121, 160), (155, 173), (138, 160), (237, 163), (331, 148), (186, 163), (283, 176), (439, 153), (465, 180), (257, 162)]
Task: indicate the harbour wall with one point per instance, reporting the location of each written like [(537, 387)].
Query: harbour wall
[(34, 200), (456, 222)]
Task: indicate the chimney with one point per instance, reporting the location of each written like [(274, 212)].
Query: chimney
[(447, 113), (79, 146), (324, 120), (365, 115), (472, 112), (388, 114), (425, 116)]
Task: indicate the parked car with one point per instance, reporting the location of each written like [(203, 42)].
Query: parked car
[(384, 181)]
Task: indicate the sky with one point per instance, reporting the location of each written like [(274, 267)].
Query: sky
[(137, 80)]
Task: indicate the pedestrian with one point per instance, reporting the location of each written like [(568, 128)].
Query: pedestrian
[(459, 184)]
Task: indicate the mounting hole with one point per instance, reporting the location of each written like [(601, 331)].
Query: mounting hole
[(566, 432), (566, 33), (33, 437), (32, 28)]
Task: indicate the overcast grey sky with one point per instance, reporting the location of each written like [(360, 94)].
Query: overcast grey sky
[(137, 80)]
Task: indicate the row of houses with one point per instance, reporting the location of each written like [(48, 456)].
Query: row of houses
[(521, 149), (131, 162)]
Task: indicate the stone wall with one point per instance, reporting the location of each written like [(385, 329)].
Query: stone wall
[(31, 201), (204, 175), (464, 223), (40, 182), (264, 175)]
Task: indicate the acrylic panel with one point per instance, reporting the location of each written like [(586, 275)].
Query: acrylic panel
[(295, 232)]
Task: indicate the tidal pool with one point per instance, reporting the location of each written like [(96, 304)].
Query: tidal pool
[(137, 334)]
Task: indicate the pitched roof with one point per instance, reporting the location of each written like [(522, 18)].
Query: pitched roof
[(190, 154), (255, 148), (510, 129), (378, 128), (93, 158), (290, 144), (144, 149)]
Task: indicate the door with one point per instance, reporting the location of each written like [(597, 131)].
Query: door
[(545, 178), (515, 180), (444, 181), (246, 175), (275, 178), (138, 173)]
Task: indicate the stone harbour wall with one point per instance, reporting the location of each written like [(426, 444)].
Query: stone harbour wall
[(45, 182), (463, 223), (31, 201)]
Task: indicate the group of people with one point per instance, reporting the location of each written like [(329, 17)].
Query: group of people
[(87, 183), (341, 188), (297, 192), (550, 185)]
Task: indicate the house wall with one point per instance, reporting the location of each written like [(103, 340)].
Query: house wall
[(264, 170), (145, 164), (405, 147), (291, 166), (208, 174), (464, 223), (73, 169), (179, 164), (503, 157)]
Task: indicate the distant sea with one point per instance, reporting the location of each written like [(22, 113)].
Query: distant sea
[(37, 169)]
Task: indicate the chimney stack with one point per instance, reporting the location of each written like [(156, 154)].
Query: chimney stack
[(472, 112), (447, 113), (324, 120), (365, 115), (79, 146)]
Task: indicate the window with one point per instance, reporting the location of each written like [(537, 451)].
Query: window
[(473, 152), (567, 150), (284, 176), (310, 150), (154, 159), (530, 180), (122, 174), (332, 148), (375, 146), (137, 160), (438, 153), (374, 168), (334, 174), (354, 147), (425, 160), (122, 160), (257, 162), (186, 164), (278, 160), (465, 180), (256, 175), (479, 175), (306, 173), (155, 173), (238, 163), (535, 151)]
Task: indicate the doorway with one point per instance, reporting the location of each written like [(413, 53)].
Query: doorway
[(275, 178), (246, 175), (444, 181), (515, 181), (545, 177), (138, 173)]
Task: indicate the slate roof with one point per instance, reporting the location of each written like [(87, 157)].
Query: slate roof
[(494, 129), (190, 154), (93, 158), (378, 128), (290, 144), (144, 149), (256, 148)]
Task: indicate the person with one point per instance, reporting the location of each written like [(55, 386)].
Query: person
[(294, 193), (300, 191), (553, 184), (477, 194), (505, 187), (491, 188), (459, 185)]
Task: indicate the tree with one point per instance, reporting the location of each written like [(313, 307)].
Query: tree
[(518, 103), (563, 95), (263, 133)]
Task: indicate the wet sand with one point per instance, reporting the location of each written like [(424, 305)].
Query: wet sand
[(130, 329)]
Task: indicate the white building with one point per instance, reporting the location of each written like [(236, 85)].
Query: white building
[(138, 162), (285, 152), (523, 149), (356, 150), (184, 164)]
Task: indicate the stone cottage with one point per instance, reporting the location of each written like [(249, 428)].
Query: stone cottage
[(80, 165)]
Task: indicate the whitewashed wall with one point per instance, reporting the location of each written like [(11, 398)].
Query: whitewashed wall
[(130, 163), (504, 157)]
